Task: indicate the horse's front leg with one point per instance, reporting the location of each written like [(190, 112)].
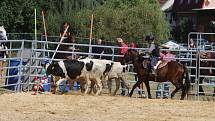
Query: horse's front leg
[(135, 86), (177, 87), (148, 88)]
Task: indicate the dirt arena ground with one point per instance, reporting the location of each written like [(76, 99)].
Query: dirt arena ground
[(49, 107)]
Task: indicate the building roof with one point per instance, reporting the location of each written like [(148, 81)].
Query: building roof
[(168, 5), (187, 5), (208, 4)]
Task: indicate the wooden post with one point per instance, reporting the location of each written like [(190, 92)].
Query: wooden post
[(35, 24), (91, 33), (44, 26)]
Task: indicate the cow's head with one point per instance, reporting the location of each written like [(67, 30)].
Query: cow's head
[(89, 66), (55, 69)]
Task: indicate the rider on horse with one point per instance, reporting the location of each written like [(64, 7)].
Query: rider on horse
[(153, 52)]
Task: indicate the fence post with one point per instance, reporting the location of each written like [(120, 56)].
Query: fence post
[(20, 68), (112, 53), (198, 71)]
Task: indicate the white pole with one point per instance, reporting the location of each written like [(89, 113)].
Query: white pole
[(35, 24), (44, 25), (35, 37), (62, 37), (91, 33)]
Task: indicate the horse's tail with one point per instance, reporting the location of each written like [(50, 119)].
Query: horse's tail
[(187, 80)]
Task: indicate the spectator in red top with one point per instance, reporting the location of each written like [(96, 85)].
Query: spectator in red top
[(124, 47), (133, 45)]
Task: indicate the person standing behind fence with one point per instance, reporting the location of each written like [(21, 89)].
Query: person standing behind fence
[(122, 50), (191, 44), (97, 49), (133, 45), (3, 55), (67, 38), (63, 28), (3, 49)]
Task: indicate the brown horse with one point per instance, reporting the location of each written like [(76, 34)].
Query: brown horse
[(173, 72)]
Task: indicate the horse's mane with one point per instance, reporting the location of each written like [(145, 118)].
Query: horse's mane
[(130, 50)]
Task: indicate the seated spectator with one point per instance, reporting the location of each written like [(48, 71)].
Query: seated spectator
[(191, 44), (98, 50)]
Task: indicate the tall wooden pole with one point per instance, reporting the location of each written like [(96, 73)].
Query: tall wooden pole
[(44, 26), (35, 24), (91, 33)]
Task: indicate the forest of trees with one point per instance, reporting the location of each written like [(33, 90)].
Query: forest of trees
[(130, 19)]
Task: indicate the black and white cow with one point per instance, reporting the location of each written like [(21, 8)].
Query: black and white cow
[(114, 70), (82, 70)]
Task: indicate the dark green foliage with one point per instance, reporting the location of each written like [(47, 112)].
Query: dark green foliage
[(17, 15), (129, 19), (182, 31)]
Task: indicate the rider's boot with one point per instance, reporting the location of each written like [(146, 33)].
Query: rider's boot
[(154, 72)]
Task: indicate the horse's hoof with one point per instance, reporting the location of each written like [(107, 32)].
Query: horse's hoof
[(165, 97), (158, 97), (122, 93), (172, 96), (129, 95), (201, 94)]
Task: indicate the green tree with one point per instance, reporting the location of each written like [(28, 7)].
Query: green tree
[(130, 19), (17, 15), (184, 28)]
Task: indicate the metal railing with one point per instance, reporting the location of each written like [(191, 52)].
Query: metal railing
[(30, 67)]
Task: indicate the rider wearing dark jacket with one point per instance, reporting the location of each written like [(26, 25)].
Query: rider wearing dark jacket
[(153, 51)]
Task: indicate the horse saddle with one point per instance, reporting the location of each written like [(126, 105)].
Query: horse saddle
[(162, 64)]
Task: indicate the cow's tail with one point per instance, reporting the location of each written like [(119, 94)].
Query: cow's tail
[(187, 80)]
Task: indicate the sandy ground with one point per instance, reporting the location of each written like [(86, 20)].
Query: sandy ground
[(49, 107)]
